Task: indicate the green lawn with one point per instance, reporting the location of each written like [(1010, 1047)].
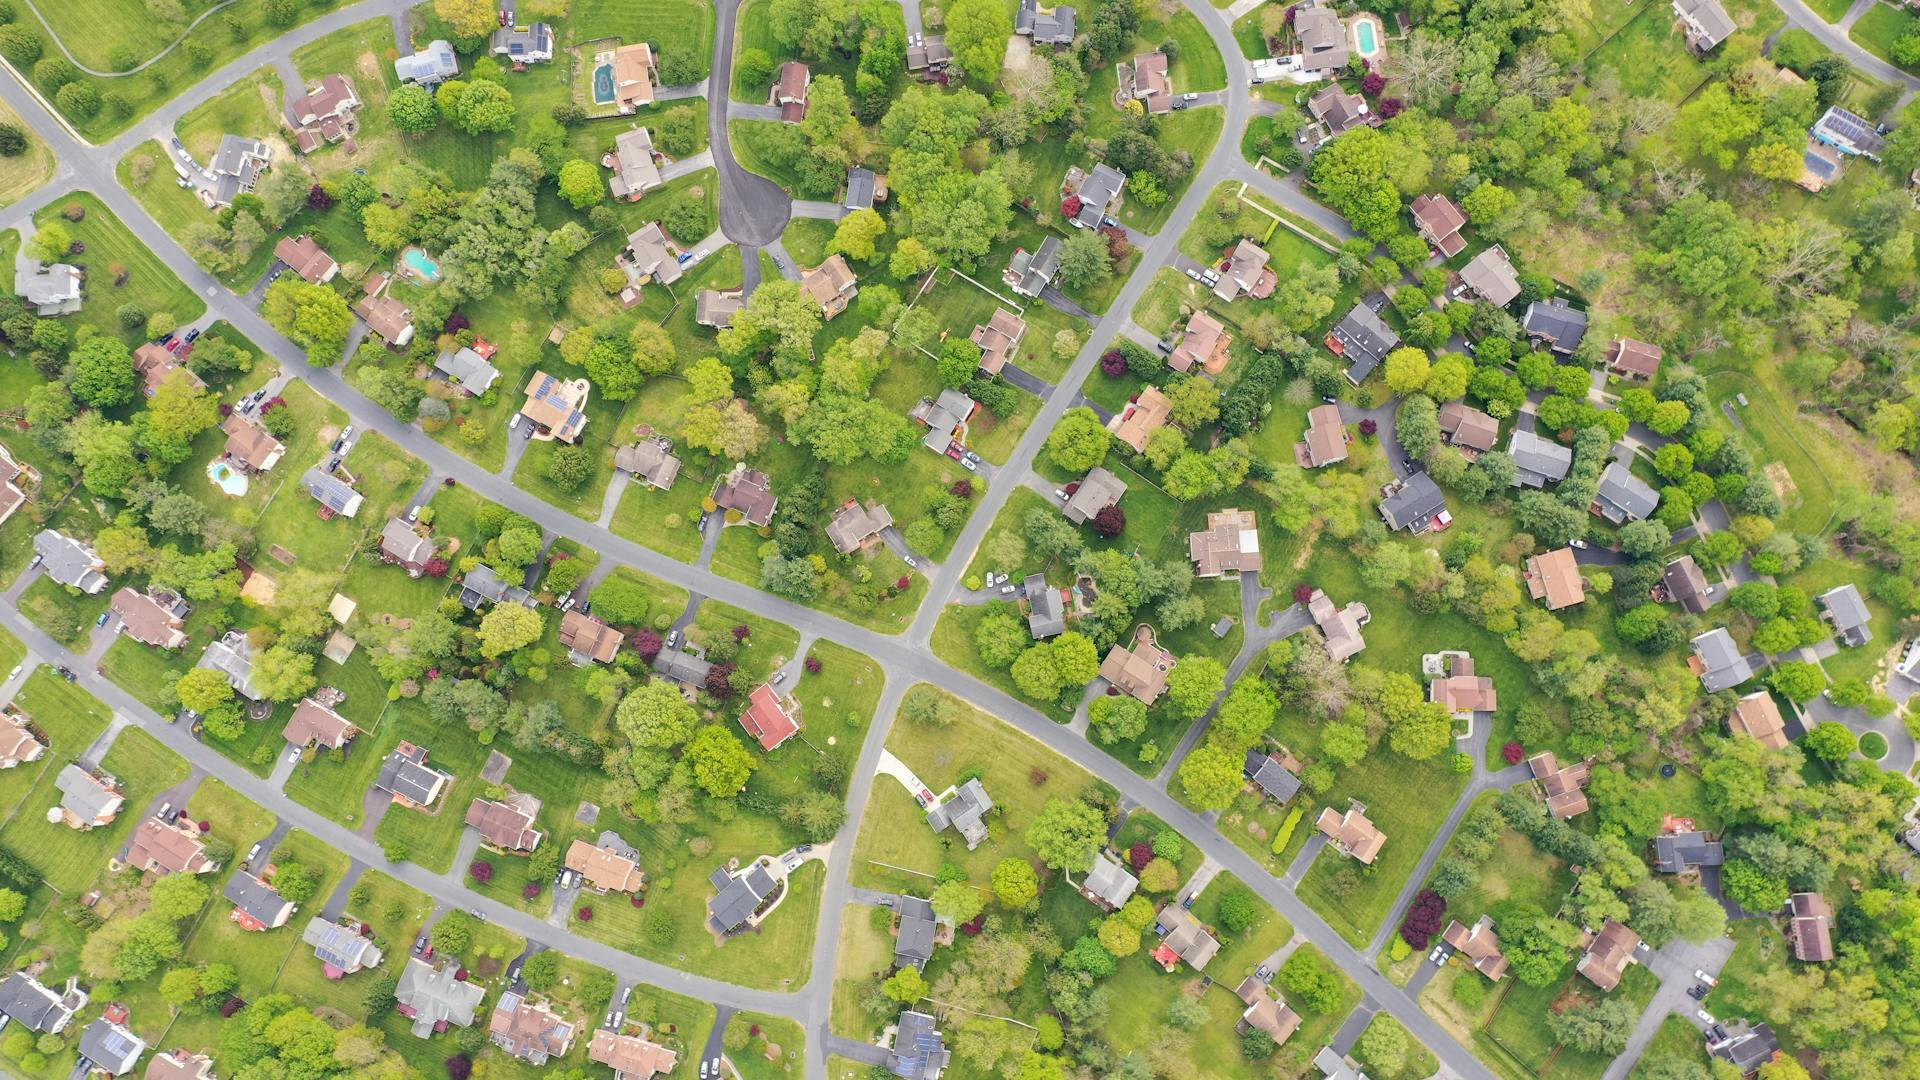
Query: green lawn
[(776, 1047), (748, 138), (1650, 55), (71, 859), (684, 26), (148, 283), (1516, 1041), (241, 109), (1240, 954), (1677, 1040), (1879, 28), (26, 172), (865, 957), (1192, 130), (959, 305), (1419, 1061), (1200, 67), (387, 478), (66, 614)]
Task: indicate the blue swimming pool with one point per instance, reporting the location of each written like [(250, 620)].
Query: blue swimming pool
[(421, 263), (227, 478), (603, 84), (1363, 36)]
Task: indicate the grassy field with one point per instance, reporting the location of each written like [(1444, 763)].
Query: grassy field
[(776, 1047), (1879, 28), (748, 138), (1418, 1062), (148, 282), (248, 108), (683, 26), (66, 614), (865, 956), (27, 171), (1678, 1039), (71, 859), (1240, 954)]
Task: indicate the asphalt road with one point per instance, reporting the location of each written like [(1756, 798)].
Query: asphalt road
[(753, 209)]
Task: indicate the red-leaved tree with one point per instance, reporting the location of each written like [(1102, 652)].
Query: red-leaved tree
[(1110, 522), (1513, 752)]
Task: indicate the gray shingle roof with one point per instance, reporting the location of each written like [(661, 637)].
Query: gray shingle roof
[(433, 64), (339, 946), (1723, 664), (483, 585), (919, 1052), (111, 1047), (331, 492), (1537, 461), (431, 997), (1099, 490), (914, 943), (860, 184), (1272, 777), (467, 369), (964, 812), (1109, 880), (1414, 505), (1557, 323), (1096, 191), (1046, 615), (26, 1002), (256, 898), (84, 796), (1848, 612), (1624, 497), (1365, 341), (68, 561), (1054, 27), (739, 896), (1675, 852), (232, 655)]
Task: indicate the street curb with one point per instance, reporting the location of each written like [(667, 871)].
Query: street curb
[(27, 84)]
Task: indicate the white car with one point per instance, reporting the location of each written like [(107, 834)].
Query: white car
[(703, 1071), (969, 465), (1706, 978), (1706, 1017)]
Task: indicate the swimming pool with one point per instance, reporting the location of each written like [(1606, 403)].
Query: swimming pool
[(603, 84), (227, 478), (1366, 38), (420, 263)]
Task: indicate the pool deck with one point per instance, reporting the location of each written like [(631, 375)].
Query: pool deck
[(1374, 29)]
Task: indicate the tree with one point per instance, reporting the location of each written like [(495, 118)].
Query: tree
[(1066, 833), (103, 374), (314, 317), (508, 627), (411, 109), (1194, 683), (1384, 1046), (1212, 775), (478, 108), (1238, 910), (620, 600), (467, 18), (1798, 680), (204, 689), (906, 986), (1119, 937), (1035, 674), (1085, 260), (1079, 441), (1601, 1027), (1117, 718), (957, 902), (856, 235), (570, 466), (1830, 741), (281, 673), (579, 183), (977, 32), (656, 716), (1015, 884), (721, 765)]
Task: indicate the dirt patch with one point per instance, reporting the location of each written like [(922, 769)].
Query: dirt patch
[(1782, 481), (1307, 545), (369, 66), (270, 97), (1019, 55)]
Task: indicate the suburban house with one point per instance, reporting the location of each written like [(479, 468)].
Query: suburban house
[(588, 640), (237, 166), (1269, 773), (48, 288), (630, 1056), (1849, 133), (1029, 273), (944, 417), (1461, 691), (831, 284), (634, 69), (467, 369), (769, 718), (405, 775), (1537, 460), (1415, 504), (1339, 626), (180, 1064), (168, 847), (324, 114), (529, 1029), (1182, 937), (1554, 576), (1467, 428), (1095, 195), (155, 365), (1148, 412), (306, 258), (1333, 1065), (20, 744), (1843, 607), (916, 931), (1622, 496), (1046, 26), (1363, 340), (482, 585), (156, 618), (965, 810), (1326, 438), (232, 656), (861, 186), (1046, 607), (556, 407), (634, 173), (70, 562), (1351, 833), (1746, 1047), (313, 724), (609, 866), (739, 896), (918, 1051), (857, 528), (434, 999), (1479, 945), (1323, 41), (1757, 716), (1565, 789), (1679, 852), (390, 319), (1141, 671), (1438, 221), (1684, 583), (651, 460), (402, 545), (1632, 359), (1203, 345), (334, 494), (257, 905), (929, 53), (1810, 927), (714, 308), (523, 44), (1107, 883), (1557, 323), (507, 824), (1340, 111), (430, 66), (648, 257), (24, 1001), (342, 950), (790, 91), (1230, 544), (87, 800), (1718, 661), (748, 493), (1095, 492), (250, 446), (998, 338), (1490, 276), (12, 497), (1608, 953), (106, 1046), (1706, 22), (1245, 273), (1263, 1013)]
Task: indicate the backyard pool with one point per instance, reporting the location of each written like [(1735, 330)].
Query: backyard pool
[(603, 83), (227, 478), (421, 264), (1366, 35)]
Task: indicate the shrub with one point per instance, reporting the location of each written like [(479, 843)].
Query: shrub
[(1513, 753), (1285, 832), (1423, 919)]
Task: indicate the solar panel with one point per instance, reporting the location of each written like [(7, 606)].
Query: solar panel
[(1844, 123)]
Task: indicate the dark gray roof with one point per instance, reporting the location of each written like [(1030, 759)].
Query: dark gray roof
[(1724, 665), (403, 775), (466, 369), (1686, 584), (82, 794), (964, 812), (68, 561), (1365, 340), (914, 944), (1271, 776), (26, 1002), (948, 412), (1054, 27), (483, 585), (1848, 612), (330, 491), (1096, 191), (1046, 615), (111, 1047), (1749, 1049), (919, 1053), (1414, 504), (1623, 496), (859, 189), (740, 897), (256, 897), (1035, 270), (1557, 323), (1537, 461), (236, 167), (682, 667), (232, 655), (1674, 852)]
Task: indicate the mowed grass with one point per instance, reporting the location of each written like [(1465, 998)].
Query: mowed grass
[(865, 957), (72, 859), (240, 109), (1880, 27), (25, 172), (149, 283), (671, 26)]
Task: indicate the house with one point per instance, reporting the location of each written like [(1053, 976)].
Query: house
[(1334, 1065), (87, 800), (529, 1029), (232, 656), (180, 1064), (324, 114), (12, 496), (48, 288), (929, 54), (916, 933), (630, 1056), (466, 369), (335, 495), (24, 1001), (1537, 460), (1466, 427), (747, 493), (651, 460), (1565, 789), (436, 998), (1204, 344), (251, 446), (1107, 883), (1142, 670), (856, 528), (237, 166), (1685, 584), (1810, 927), (1263, 1013), (714, 308), (306, 258), (1323, 41), (1439, 221), (1096, 491), (1462, 692), (557, 407), (1339, 626), (1363, 340), (507, 824), (1340, 111), (155, 365), (1747, 1046), (634, 173), (607, 867), (1718, 661), (1147, 413), (1351, 833), (1632, 359), (1415, 504), (1182, 938), (430, 66), (918, 1052), (1478, 945), (168, 847), (1490, 276), (790, 90), (1757, 716), (738, 897), (257, 905), (965, 810), (1677, 853), (156, 618), (342, 950), (1245, 273), (1706, 22), (1151, 86), (402, 545), (1556, 322), (1554, 576), (523, 44), (1326, 438), (998, 338), (484, 586), (648, 257), (1820, 166), (1046, 610), (634, 69), (313, 724), (1269, 773), (1029, 274), (860, 188), (1608, 953), (1230, 544), (1843, 607), (769, 718), (1622, 496), (831, 284), (110, 1048), (389, 319), (1046, 26), (20, 743), (588, 640), (1849, 133), (405, 775), (70, 562), (944, 417)]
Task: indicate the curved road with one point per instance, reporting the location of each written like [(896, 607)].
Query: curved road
[(753, 209)]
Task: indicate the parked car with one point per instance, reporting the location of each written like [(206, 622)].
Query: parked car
[(778, 678), (420, 944), (970, 465), (1263, 973), (1190, 97), (102, 620), (166, 811), (253, 853), (1706, 1017), (1705, 978), (193, 335)]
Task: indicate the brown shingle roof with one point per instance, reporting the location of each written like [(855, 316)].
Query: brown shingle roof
[(1479, 946), (168, 848), (630, 1056), (998, 337), (1564, 788), (314, 723), (1635, 359), (1145, 415), (305, 257), (148, 621), (1141, 671), (250, 444), (1608, 954), (1461, 691), (1205, 343), (1555, 577), (1758, 716), (1439, 222), (1352, 832), (1231, 541), (1468, 426), (1326, 439), (508, 824), (589, 636), (1811, 927)]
